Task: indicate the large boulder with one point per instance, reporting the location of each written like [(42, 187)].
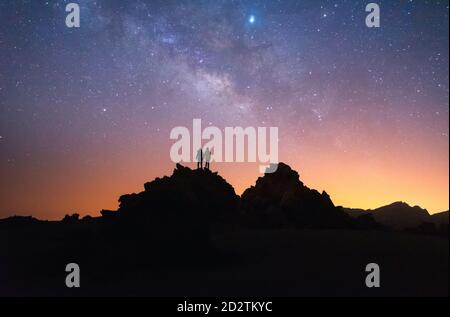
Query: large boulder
[(280, 199), (186, 196)]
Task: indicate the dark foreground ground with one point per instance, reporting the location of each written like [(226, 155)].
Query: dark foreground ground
[(248, 263)]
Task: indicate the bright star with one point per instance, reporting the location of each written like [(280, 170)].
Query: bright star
[(251, 19)]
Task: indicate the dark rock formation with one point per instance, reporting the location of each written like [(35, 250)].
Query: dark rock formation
[(186, 196), (398, 215), (280, 199)]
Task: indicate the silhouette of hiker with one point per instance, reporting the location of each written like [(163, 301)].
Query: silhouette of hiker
[(199, 158), (207, 158)]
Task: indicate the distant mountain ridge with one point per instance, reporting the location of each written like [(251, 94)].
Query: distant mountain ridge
[(441, 218), (400, 216)]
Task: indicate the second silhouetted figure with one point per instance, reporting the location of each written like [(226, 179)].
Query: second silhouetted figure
[(207, 158)]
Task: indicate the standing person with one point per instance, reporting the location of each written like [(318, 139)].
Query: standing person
[(199, 159), (207, 158)]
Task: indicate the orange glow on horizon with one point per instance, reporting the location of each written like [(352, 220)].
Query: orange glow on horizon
[(69, 187)]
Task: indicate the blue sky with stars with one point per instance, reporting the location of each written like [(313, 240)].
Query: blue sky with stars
[(85, 113)]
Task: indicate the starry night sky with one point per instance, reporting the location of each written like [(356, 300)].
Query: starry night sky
[(85, 113)]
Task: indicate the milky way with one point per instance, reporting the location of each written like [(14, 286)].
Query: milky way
[(85, 113)]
